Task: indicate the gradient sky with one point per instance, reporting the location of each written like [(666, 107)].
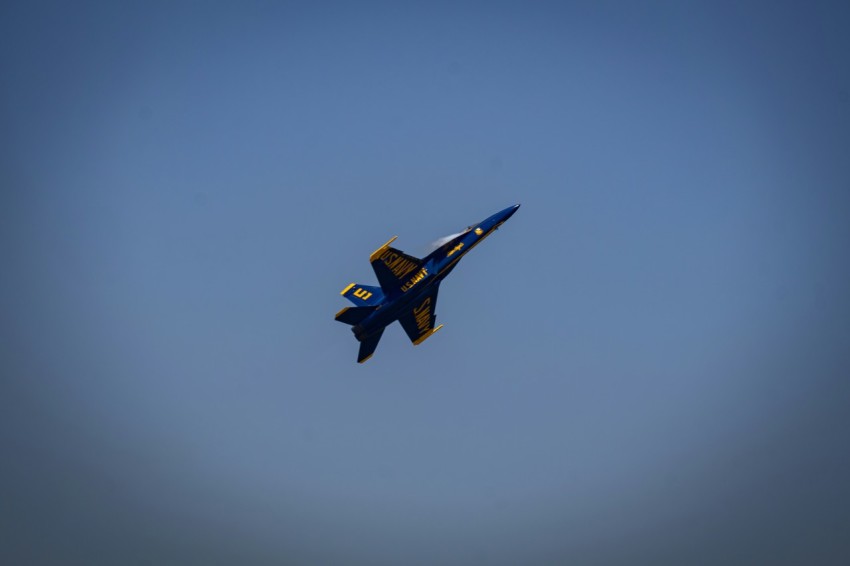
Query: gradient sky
[(649, 364)]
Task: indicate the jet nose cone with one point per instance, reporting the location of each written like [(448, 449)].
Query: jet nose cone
[(508, 212)]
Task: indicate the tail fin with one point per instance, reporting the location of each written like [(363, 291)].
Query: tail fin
[(363, 295), (367, 346), (354, 315)]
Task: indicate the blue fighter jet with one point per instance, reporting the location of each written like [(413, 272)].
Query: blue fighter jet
[(408, 287)]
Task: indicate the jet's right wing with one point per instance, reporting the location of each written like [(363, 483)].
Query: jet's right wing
[(419, 321)]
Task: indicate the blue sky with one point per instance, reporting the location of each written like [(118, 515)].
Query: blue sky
[(647, 365)]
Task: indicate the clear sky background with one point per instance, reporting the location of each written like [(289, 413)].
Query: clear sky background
[(648, 364)]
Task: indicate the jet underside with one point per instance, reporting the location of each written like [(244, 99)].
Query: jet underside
[(408, 288)]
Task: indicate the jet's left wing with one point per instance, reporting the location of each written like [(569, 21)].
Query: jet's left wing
[(396, 270), (419, 321)]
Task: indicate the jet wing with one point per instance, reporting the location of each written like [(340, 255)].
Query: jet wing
[(394, 268), (419, 321)]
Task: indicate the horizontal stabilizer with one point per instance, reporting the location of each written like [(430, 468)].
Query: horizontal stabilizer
[(361, 295), (367, 346), (354, 315)]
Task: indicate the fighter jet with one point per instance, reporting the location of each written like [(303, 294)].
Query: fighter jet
[(408, 287)]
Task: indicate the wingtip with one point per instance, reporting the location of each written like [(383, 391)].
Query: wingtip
[(377, 253), (426, 336)]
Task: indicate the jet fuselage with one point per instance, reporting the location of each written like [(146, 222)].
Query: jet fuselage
[(408, 287)]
